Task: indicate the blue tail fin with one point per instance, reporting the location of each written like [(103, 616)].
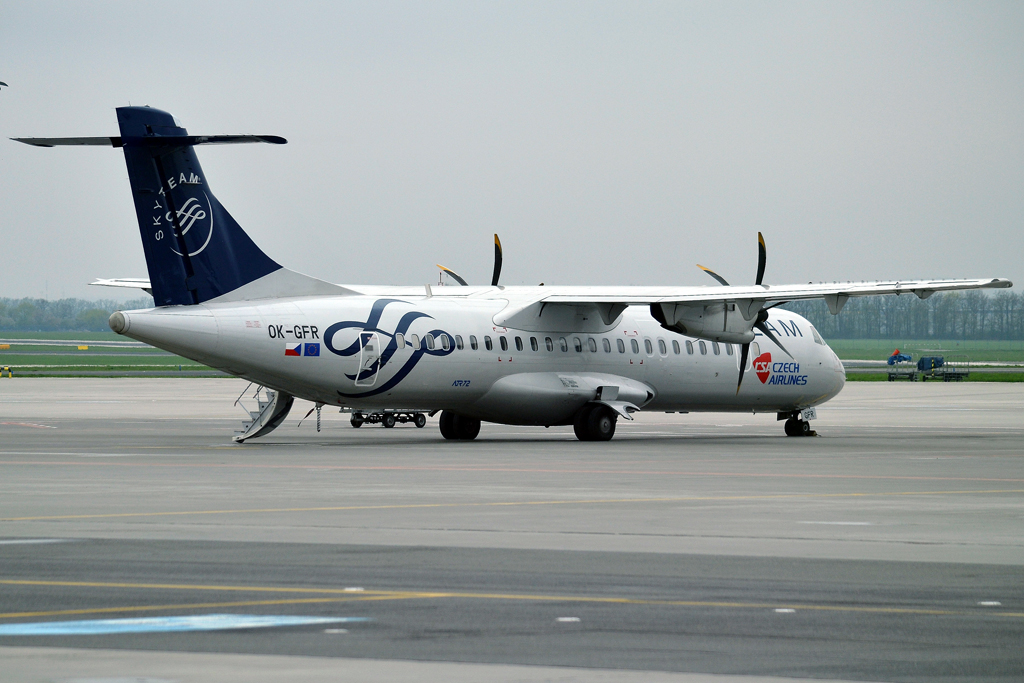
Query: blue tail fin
[(195, 250)]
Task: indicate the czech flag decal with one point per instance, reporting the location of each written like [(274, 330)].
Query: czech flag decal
[(293, 350)]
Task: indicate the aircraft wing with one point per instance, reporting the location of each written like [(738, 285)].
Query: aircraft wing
[(835, 294), (726, 314)]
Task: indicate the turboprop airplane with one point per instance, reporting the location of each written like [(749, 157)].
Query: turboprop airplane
[(540, 356)]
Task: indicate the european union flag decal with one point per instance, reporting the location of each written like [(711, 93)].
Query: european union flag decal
[(311, 350)]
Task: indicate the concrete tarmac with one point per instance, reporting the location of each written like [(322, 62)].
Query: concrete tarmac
[(690, 547)]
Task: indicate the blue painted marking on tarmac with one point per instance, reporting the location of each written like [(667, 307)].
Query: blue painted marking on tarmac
[(203, 622)]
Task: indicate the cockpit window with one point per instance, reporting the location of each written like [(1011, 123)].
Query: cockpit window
[(817, 337)]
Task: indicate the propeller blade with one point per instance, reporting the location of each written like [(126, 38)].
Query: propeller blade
[(455, 276), (714, 275), (497, 261), (762, 258), (744, 352), (768, 333)]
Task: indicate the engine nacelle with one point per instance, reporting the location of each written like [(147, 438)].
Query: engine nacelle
[(721, 322)]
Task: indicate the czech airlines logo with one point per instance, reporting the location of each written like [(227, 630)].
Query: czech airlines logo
[(382, 363), (762, 366)]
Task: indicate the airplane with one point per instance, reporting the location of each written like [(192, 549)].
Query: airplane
[(520, 355)]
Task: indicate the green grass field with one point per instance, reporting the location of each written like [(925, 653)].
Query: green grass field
[(64, 359)]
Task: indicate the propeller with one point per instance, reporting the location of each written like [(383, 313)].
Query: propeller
[(455, 276), (497, 261), (494, 276), (762, 315)]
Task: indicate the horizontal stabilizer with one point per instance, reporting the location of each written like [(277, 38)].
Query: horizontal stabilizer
[(129, 282), (155, 141)]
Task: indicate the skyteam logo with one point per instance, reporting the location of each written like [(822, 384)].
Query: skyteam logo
[(196, 217), (379, 365)]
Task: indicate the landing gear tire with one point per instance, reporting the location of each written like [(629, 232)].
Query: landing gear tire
[(388, 420), (421, 420), (458, 427), (601, 423), (595, 423), (580, 423), (795, 427), (357, 420), (446, 423)]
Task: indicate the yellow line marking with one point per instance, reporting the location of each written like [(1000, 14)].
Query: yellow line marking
[(372, 595), (598, 501)]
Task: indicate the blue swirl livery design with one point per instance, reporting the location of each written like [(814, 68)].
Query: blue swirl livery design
[(378, 365)]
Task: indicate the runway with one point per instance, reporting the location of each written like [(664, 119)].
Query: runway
[(690, 548)]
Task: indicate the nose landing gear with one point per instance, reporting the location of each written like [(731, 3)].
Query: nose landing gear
[(797, 427)]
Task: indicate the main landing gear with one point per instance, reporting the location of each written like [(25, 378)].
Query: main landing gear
[(595, 422), (458, 427)]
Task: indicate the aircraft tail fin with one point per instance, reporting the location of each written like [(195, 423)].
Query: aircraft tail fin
[(195, 251)]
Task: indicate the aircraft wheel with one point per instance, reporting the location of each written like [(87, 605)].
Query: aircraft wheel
[(447, 424), (803, 428), (580, 423), (601, 423), (421, 420), (357, 422), (388, 420), (466, 428), (791, 427)]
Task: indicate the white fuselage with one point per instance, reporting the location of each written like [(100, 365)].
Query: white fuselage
[(372, 351)]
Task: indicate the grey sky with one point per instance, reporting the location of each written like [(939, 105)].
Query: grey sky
[(615, 143)]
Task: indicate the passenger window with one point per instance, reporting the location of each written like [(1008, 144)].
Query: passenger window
[(689, 347), (429, 339), (548, 344), (607, 345), (714, 347), (755, 351), (577, 344), (445, 343), (533, 344), (400, 341), (728, 349), (414, 341), (503, 342), (636, 347), (458, 342), (487, 343), (563, 344), (648, 347), (519, 343), (703, 348), (592, 344), (675, 346), (662, 349), (621, 344), (472, 342)]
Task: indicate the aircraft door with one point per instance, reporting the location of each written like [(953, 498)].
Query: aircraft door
[(369, 357)]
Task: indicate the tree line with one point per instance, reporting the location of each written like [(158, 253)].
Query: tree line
[(63, 315), (952, 315)]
